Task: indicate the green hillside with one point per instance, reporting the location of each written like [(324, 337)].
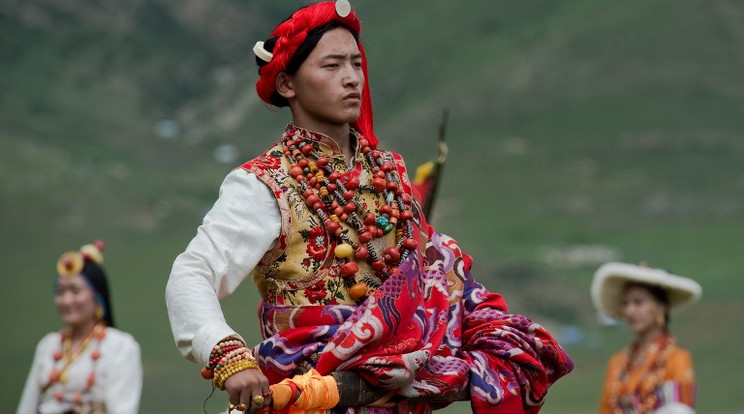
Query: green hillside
[(580, 131)]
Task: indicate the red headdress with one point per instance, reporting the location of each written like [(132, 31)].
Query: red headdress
[(291, 33)]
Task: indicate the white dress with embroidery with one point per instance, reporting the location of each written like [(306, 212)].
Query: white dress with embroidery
[(118, 381)]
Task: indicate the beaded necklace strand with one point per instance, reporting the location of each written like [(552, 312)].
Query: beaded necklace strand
[(644, 402), (335, 201), (66, 357)]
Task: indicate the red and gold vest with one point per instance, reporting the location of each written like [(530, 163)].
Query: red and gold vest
[(302, 269)]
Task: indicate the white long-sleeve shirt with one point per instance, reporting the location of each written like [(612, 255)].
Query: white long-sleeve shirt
[(243, 224), (118, 376)]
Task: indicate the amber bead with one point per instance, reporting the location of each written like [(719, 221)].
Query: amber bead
[(343, 250), (358, 290)]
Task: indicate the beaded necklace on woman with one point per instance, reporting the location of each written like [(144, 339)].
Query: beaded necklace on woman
[(335, 201), (641, 402), (65, 357)]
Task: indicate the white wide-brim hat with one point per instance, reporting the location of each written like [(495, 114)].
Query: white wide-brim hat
[(611, 278)]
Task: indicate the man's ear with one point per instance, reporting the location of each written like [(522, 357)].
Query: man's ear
[(285, 86)]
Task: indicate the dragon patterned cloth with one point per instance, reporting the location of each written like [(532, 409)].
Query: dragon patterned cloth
[(429, 330)]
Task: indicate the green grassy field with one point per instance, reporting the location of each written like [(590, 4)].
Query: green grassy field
[(572, 124)]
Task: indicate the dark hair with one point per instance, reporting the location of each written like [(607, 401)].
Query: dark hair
[(301, 54), (95, 275)]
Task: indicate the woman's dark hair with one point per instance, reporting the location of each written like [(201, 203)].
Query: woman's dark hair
[(303, 51), (95, 275)]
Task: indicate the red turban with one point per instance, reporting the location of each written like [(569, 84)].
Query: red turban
[(291, 33)]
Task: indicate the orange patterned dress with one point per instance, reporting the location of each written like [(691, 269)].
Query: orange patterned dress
[(663, 374)]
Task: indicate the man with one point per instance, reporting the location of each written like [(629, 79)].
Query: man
[(351, 276)]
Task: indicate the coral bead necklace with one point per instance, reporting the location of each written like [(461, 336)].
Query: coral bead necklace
[(335, 200), (66, 357), (642, 400)]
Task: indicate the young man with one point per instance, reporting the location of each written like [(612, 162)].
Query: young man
[(351, 276)]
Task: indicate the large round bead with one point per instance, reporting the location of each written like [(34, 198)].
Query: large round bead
[(365, 237), (361, 253), (358, 290), (343, 250), (410, 244), (353, 183), (392, 255), (348, 269)]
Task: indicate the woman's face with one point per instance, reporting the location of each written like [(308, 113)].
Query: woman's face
[(327, 88), (641, 310), (75, 301)]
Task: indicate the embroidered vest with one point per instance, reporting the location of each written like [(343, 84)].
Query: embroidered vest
[(302, 269)]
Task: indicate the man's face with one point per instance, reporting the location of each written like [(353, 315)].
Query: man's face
[(327, 88)]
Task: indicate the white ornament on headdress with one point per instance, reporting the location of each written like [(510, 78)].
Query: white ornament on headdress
[(343, 8), (258, 50)]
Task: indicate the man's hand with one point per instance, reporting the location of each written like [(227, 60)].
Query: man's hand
[(249, 387)]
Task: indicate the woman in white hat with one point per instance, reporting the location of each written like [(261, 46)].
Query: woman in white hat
[(652, 372)]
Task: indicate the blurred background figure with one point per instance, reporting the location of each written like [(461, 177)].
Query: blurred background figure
[(652, 373), (89, 366)]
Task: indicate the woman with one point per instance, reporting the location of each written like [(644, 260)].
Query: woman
[(89, 366), (351, 276), (652, 372)]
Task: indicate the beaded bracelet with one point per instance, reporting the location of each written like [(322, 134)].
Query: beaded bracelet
[(231, 369), (226, 351)]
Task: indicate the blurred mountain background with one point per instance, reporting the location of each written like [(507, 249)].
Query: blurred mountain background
[(581, 131)]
